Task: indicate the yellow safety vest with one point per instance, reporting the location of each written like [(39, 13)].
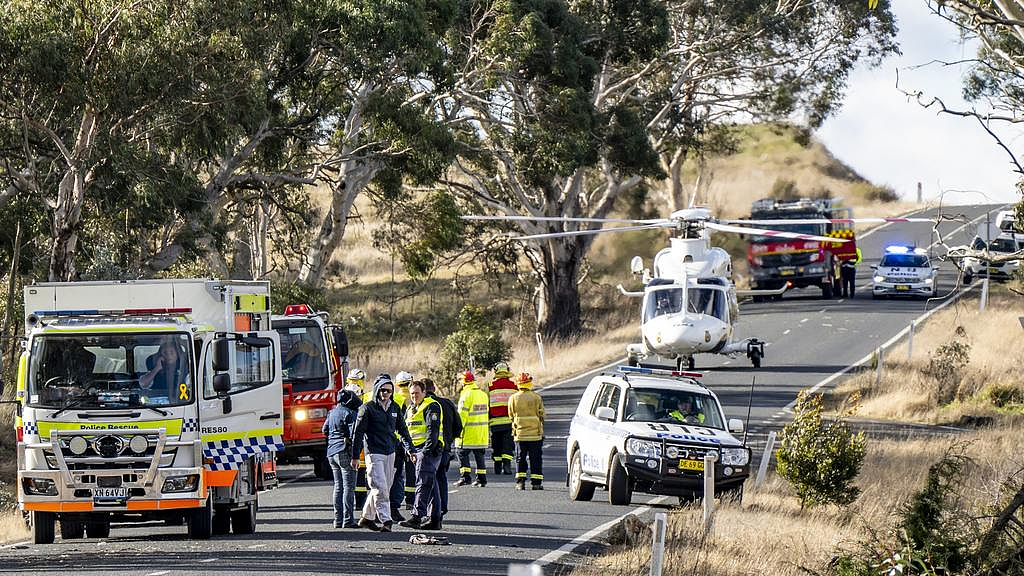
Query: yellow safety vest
[(473, 408), (679, 416), (417, 423)]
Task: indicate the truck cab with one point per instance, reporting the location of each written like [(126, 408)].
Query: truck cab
[(160, 409), (314, 361), (647, 430)]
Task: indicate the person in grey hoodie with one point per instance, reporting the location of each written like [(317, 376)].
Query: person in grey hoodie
[(378, 422)]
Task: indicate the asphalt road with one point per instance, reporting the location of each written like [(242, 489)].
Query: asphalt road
[(810, 340)]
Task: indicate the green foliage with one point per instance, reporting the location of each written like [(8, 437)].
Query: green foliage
[(478, 337), (421, 231), (285, 293), (881, 194), (820, 459), (946, 366), (1004, 395)]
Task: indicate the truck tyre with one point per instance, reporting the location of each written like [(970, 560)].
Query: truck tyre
[(620, 487), (321, 469), (826, 289), (71, 529), (200, 521), (221, 522), (579, 489), (755, 358), (43, 524), (98, 528), (244, 521)]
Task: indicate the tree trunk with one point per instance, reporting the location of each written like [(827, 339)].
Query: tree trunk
[(673, 165), (67, 213), (559, 309)]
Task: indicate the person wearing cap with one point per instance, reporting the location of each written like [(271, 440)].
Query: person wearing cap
[(451, 428), (473, 409), (403, 486), (338, 428), (526, 408), (379, 426), (502, 387), (356, 383), (424, 420)]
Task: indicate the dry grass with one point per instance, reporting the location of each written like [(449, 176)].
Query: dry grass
[(907, 392), (12, 527), (769, 534)]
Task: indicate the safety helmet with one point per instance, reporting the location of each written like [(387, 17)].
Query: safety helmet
[(353, 388), (467, 376), (356, 375), (403, 379), (502, 369), (525, 381)]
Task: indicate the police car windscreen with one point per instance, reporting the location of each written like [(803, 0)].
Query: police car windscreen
[(904, 260), (302, 357), (97, 371), (671, 407)]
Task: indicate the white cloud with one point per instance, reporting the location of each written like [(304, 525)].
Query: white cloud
[(892, 141)]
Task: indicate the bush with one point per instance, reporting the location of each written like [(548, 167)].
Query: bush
[(820, 459), (947, 365), (882, 194), (284, 293), (476, 338), (1004, 395)]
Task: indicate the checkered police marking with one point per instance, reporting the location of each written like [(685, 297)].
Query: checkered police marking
[(190, 425), (231, 454), (30, 427)]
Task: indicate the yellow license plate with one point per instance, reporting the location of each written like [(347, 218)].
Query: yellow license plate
[(786, 273), (697, 465), (902, 287), (993, 269)]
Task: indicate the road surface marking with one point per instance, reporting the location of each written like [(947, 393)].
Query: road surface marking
[(207, 560), (804, 320), (297, 478), (569, 547), (786, 332), (15, 545), (256, 546), (578, 376), (840, 301), (159, 573), (827, 325)]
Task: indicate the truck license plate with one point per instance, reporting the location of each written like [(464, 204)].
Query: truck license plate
[(696, 465), (903, 287), (109, 492), (788, 272), (995, 270)]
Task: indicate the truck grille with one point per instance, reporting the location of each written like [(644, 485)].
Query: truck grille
[(779, 260)]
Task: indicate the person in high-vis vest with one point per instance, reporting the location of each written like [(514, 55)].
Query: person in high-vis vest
[(502, 387), (473, 409), (848, 274), (686, 413), (403, 487), (425, 421), (356, 383), (526, 408)]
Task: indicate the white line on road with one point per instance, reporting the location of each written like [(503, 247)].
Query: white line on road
[(6, 546), (568, 547), (578, 376), (804, 320), (786, 332), (207, 560), (297, 478), (159, 573)]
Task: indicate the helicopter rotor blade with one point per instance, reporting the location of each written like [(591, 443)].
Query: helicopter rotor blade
[(779, 222), (770, 233), (654, 226), (565, 219)]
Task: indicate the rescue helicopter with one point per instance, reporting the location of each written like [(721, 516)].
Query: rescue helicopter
[(689, 304)]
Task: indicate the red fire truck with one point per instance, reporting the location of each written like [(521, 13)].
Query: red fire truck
[(774, 262), (314, 362)]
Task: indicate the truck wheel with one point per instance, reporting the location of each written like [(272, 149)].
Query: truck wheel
[(200, 521), (71, 529), (176, 520), (826, 290), (244, 521), (579, 489), (221, 522), (43, 527), (620, 488), (321, 469), (98, 528)]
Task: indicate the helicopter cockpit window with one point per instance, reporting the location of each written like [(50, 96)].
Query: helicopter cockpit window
[(706, 301), (664, 301)]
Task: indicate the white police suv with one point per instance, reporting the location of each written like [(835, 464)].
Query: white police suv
[(904, 271), (647, 430)]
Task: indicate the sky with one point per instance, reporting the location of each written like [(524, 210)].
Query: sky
[(892, 141)]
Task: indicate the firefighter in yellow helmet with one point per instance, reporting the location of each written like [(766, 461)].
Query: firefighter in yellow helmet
[(356, 383), (501, 389), (526, 409), (473, 409)]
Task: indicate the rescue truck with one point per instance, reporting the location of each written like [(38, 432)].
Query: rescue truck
[(314, 362), (146, 400), (774, 262)]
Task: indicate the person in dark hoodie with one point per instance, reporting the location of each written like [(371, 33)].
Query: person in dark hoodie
[(339, 428), (378, 423), (451, 428)]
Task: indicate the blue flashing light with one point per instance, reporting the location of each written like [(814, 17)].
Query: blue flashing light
[(656, 371), (896, 249), (66, 312)]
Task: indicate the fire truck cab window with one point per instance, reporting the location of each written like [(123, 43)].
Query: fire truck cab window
[(302, 356)]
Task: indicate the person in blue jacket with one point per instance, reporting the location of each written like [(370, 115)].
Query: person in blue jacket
[(338, 429)]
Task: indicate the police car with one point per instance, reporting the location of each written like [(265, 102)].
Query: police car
[(904, 271), (647, 430), (1005, 244)]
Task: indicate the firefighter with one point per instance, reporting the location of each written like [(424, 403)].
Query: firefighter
[(424, 418), (848, 274), (356, 383), (473, 408), (526, 409), (403, 487), (501, 388)]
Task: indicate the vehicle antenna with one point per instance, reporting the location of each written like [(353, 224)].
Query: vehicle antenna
[(750, 401)]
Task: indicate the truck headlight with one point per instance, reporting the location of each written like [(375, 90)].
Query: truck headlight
[(301, 415), (317, 413), (40, 486), (879, 278), (645, 448), (928, 280), (181, 483), (735, 456)]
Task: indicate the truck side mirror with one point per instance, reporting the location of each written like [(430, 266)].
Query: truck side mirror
[(605, 413), (222, 383), (254, 342), (340, 339), (735, 426), (222, 356)]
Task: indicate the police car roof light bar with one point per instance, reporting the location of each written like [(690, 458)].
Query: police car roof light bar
[(658, 372), (897, 249)]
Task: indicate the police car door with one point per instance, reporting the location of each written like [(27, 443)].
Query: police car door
[(603, 439), (246, 420)]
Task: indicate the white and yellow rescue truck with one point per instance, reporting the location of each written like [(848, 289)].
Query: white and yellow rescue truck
[(143, 400)]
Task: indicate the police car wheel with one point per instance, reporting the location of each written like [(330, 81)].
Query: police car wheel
[(620, 488), (579, 489)]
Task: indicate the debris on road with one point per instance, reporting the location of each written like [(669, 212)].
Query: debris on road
[(429, 540)]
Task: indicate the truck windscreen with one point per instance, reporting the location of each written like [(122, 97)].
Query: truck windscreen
[(98, 371), (817, 229), (303, 359)]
